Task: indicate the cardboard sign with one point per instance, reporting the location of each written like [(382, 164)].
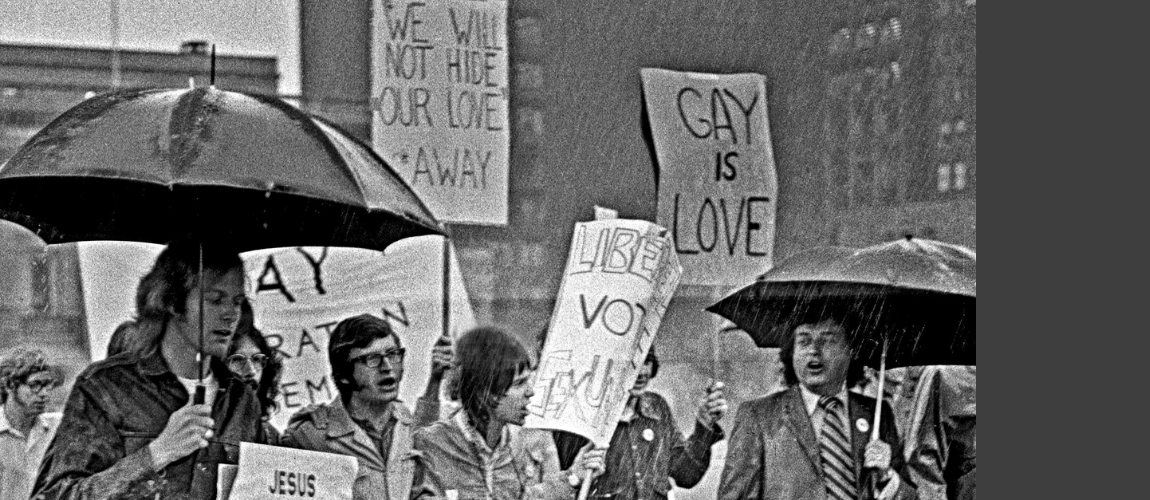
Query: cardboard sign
[(619, 279), (270, 472), (299, 295), (717, 185), (440, 98)]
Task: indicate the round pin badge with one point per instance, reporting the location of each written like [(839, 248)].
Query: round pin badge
[(648, 434), (862, 425)]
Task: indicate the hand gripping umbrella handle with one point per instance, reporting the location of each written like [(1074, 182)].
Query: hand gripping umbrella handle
[(872, 476)]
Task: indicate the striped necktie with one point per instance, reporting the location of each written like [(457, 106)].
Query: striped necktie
[(838, 466)]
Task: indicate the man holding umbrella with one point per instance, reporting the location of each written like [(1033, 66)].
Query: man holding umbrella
[(811, 440), (131, 427)]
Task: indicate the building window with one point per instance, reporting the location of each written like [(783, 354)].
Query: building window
[(865, 129)]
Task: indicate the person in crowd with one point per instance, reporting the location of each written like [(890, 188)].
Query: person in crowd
[(647, 450), (26, 383), (481, 450), (812, 440), (934, 407), (367, 420), (133, 425), (253, 360), (121, 339)]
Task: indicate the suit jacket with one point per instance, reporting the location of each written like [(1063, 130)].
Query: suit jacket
[(773, 452), (329, 428)]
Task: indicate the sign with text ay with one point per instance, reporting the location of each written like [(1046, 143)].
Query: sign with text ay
[(619, 279), (439, 101), (717, 185)]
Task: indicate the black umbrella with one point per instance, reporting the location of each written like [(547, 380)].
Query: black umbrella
[(916, 294), (913, 301), (158, 164)]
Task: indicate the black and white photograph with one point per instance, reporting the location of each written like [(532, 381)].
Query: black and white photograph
[(488, 249)]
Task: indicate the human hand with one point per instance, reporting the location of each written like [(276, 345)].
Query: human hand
[(590, 459), (441, 357), (187, 430), (713, 406), (877, 456)]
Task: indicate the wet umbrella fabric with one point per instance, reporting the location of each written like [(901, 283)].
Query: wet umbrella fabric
[(152, 165), (916, 293)]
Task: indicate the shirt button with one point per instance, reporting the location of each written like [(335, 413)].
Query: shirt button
[(151, 483), (638, 475)]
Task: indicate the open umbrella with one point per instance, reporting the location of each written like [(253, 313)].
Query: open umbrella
[(158, 164), (917, 294), (150, 165), (913, 300)]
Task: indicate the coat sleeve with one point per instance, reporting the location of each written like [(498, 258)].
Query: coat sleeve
[(743, 472), (551, 480), (86, 459), (427, 482), (691, 457)]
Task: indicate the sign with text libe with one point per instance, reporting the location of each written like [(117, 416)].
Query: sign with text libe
[(618, 282)]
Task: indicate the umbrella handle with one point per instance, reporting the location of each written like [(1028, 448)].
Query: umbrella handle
[(874, 434)]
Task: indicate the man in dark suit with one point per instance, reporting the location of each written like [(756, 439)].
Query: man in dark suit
[(812, 441)]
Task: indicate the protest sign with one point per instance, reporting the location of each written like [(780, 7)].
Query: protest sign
[(268, 472), (618, 282), (717, 184), (299, 295), (439, 101)]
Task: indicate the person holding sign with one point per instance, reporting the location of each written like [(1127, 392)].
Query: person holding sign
[(482, 450), (368, 421), (131, 428), (647, 449), (811, 440)]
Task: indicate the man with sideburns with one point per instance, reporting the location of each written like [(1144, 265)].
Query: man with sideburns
[(812, 440), (367, 420)]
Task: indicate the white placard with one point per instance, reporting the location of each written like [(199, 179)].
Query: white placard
[(619, 279), (275, 473), (439, 103), (717, 185)]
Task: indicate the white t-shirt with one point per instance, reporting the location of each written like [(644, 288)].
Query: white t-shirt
[(210, 383)]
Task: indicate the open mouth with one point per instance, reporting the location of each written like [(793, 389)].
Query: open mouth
[(815, 367), (388, 384), (221, 335)]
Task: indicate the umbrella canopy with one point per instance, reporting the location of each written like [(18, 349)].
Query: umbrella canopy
[(917, 294), (152, 165)]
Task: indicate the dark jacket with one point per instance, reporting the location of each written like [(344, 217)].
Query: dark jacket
[(640, 468), (116, 408)]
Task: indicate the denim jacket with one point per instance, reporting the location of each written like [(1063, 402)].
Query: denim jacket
[(329, 428), (116, 408)]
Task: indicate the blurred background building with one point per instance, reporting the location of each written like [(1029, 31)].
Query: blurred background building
[(41, 301)]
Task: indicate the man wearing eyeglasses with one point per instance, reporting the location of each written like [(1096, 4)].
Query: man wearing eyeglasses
[(26, 383), (368, 421)]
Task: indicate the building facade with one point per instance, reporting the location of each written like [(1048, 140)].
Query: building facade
[(41, 300)]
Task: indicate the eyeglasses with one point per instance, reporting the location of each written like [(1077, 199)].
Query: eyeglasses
[(374, 359), (39, 385), (239, 361)]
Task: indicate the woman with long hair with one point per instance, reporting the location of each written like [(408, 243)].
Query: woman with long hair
[(133, 426), (253, 360), (482, 451)]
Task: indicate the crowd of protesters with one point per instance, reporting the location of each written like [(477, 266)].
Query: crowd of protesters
[(157, 417)]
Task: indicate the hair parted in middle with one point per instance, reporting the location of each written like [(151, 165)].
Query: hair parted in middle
[(269, 384), (164, 290), (487, 360)]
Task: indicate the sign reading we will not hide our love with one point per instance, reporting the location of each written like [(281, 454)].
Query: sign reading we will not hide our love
[(619, 280), (717, 184), (440, 100)]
